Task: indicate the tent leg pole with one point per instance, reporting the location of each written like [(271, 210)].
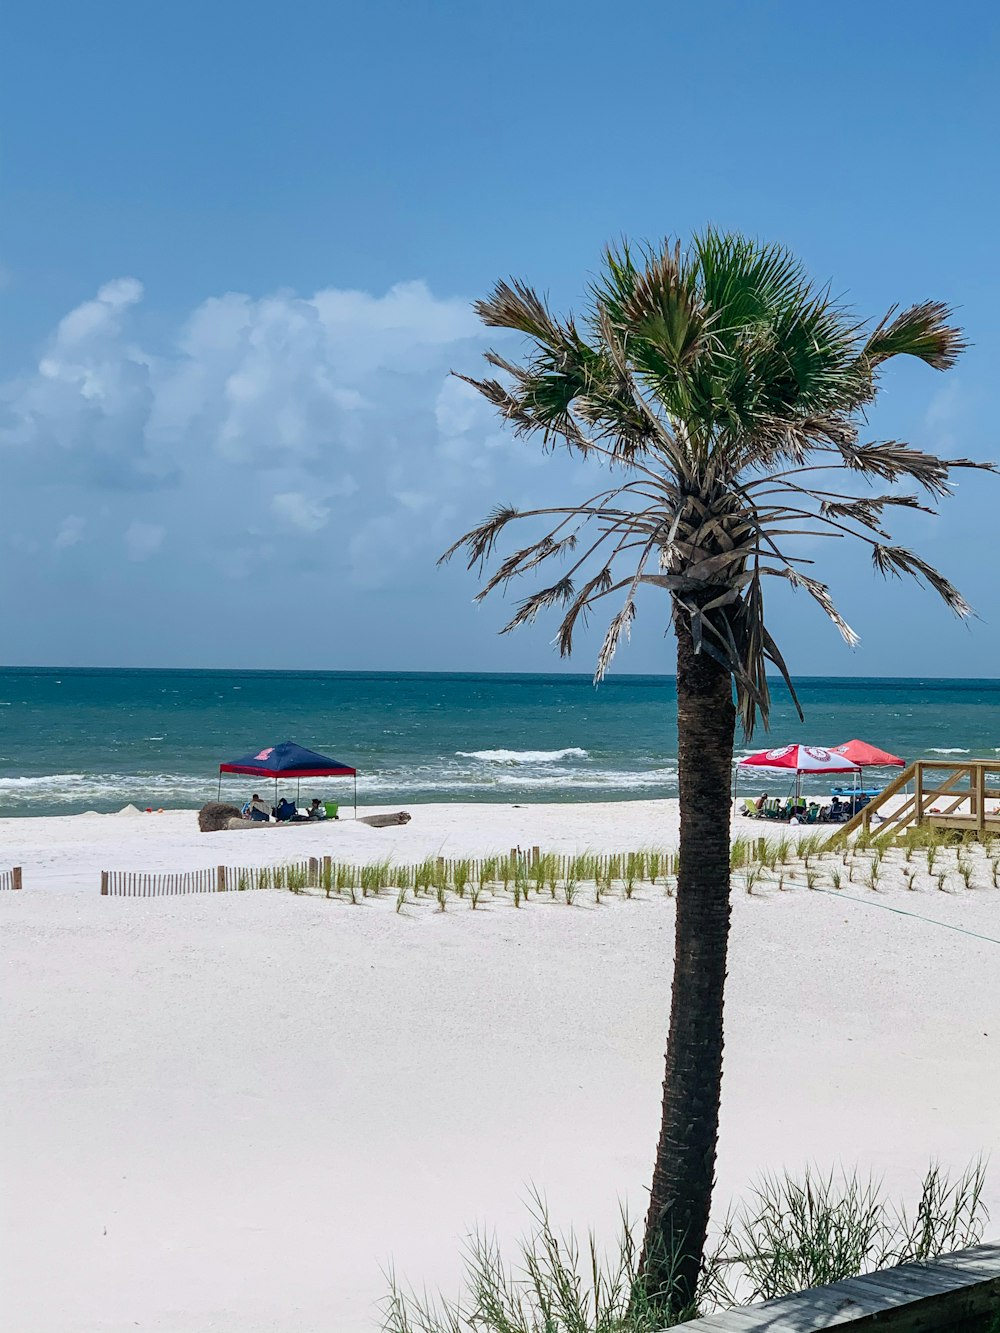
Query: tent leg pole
[(355, 796), (219, 797)]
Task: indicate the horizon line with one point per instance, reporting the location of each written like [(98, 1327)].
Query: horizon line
[(364, 671)]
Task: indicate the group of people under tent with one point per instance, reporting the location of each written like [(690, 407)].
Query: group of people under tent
[(286, 811), (797, 810)]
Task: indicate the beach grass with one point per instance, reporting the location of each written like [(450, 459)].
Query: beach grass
[(787, 1234), (758, 865)]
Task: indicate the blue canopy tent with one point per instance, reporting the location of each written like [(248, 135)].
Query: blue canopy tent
[(288, 760)]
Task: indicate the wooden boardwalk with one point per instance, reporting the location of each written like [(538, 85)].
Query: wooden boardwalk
[(957, 1293)]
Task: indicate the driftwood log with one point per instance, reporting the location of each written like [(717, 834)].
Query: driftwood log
[(216, 815), (385, 821)]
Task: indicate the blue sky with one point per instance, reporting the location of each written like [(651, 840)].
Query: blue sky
[(238, 247)]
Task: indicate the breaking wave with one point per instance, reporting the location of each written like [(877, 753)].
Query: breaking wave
[(447, 779), (111, 790), (523, 756)]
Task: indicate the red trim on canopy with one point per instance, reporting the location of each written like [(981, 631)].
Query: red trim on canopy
[(288, 772)]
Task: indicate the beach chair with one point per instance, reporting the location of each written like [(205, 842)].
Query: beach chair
[(331, 808), (750, 807)]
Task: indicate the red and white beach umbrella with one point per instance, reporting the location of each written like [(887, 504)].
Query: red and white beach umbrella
[(799, 759)]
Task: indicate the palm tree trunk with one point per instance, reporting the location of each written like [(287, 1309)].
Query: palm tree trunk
[(681, 1192)]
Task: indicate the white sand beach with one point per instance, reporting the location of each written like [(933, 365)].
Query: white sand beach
[(68, 852), (230, 1112)]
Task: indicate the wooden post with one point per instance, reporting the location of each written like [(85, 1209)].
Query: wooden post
[(918, 792), (313, 871), (220, 879), (536, 855), (104, 883), (15, 878), (979, 799)]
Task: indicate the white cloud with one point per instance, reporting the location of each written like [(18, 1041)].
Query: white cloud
[(285, 418), (301, 511), (143, 539), (70, 532), (94, 318), (415, 500), (282, 377)]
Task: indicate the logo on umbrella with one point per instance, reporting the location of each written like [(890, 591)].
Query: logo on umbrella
[(265, 754)]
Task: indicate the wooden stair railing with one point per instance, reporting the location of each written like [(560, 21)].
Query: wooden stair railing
[(915, 808)]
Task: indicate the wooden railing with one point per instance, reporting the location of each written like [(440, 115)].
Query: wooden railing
[(957, 1293), (958, 794)]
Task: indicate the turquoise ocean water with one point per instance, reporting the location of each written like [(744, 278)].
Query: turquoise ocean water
[(74, 740)]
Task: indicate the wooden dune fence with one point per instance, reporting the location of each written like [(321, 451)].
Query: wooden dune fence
[(217, 879), (10, 879), (520, 866)]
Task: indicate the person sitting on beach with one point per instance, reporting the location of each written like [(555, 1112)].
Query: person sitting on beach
[(256, 810), (761, 801), (285, 811), (316, 811)]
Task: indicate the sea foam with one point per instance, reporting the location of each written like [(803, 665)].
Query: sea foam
[(523, 756)]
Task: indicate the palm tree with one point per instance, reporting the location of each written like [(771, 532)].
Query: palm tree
[(724, 394)]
